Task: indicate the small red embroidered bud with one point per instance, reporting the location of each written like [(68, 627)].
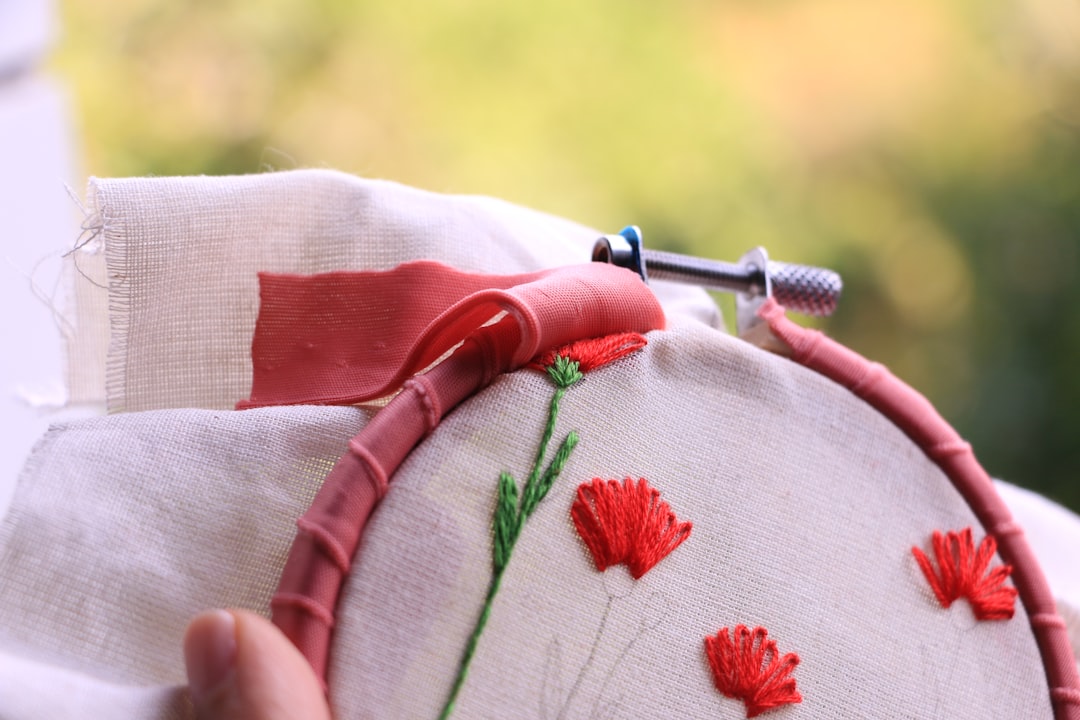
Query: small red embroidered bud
[(626, 523), (591, 353), (962, 573), (746, 666)]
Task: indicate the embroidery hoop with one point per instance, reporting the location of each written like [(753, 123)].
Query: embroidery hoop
[(428, 397)]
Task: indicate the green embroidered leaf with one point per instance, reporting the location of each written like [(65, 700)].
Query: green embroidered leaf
[(509, 518), (543, 485), (506, 520), (564, 372), (562, 455)]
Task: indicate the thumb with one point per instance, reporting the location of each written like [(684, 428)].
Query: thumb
[(241, 667)]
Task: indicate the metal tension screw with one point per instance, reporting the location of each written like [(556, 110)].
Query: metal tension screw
[(801, 288)]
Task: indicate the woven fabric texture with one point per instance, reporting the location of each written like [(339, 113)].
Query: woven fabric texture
[(805, 502), (183, 256), (124, 527)]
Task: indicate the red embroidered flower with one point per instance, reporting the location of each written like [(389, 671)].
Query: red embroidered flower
[(747, 666), (962, 573), (626, 523), (566, 364)]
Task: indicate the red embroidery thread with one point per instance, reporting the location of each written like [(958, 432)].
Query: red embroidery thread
[(565, 366), (747, 666), (593, 352), (626, 523), (962, 573)]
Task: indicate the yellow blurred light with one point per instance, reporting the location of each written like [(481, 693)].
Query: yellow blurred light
[(925, 277), (831, 74), (1055, 25)]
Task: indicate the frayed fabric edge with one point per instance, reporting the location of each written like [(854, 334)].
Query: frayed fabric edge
[(86, 306)]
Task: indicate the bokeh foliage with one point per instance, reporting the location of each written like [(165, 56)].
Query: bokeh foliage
[(927, 149)]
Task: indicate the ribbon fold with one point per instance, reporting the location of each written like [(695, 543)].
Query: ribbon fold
[(346, 337)]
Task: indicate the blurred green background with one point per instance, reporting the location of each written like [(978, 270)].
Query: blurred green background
[(929, 150)]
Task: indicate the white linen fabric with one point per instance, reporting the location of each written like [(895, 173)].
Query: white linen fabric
[(805, 504), (805, 501), (124, 527), (183, 254)]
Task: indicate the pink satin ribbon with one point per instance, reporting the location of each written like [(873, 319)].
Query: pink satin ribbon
[(347, 337)]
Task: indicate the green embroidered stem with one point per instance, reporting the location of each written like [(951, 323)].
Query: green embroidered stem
[(470, 648), (512, 512), (534, 490)]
